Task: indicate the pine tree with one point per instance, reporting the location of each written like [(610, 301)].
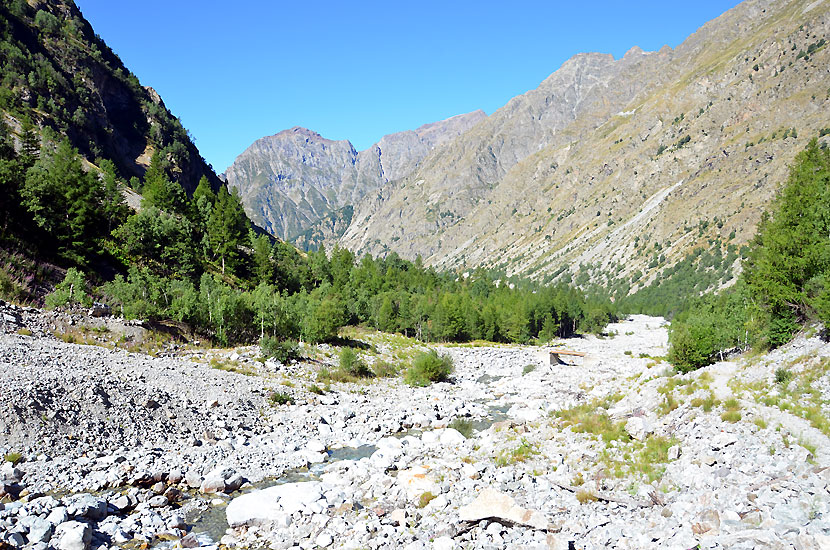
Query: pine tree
[(64, 201), (227, 227)]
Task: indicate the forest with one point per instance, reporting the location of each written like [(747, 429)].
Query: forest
[(198, 260)]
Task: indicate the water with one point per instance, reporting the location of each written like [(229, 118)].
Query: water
[(488, 379), (209, 525)]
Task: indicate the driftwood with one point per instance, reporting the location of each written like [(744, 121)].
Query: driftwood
[(609, 498)]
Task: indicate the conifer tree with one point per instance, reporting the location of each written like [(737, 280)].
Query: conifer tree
[(226, 227)]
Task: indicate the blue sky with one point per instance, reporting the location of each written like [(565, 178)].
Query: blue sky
[(235, 72)]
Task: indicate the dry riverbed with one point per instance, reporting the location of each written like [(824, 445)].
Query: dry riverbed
[(113, 448)]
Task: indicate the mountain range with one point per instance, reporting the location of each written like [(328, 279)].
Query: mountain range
[(294, 179), (615, 169)]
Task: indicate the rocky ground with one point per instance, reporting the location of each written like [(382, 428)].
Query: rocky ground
[(107, 447)]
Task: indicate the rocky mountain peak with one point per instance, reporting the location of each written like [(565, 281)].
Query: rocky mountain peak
[(293, 179)]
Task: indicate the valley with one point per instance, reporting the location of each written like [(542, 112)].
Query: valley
[(323, 347)]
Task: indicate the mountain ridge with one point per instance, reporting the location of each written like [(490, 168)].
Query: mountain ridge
[(312, 176), (675, 115)]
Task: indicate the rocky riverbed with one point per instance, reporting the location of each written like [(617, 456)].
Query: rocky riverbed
[(108, 448)]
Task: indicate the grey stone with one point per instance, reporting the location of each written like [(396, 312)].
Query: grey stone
[(87, 506), (73, 535)]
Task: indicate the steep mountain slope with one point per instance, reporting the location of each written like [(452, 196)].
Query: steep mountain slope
[(622, 166), (296, 178), (58, 75)]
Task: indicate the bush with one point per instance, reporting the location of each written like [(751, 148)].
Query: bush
[(353, 365), (283, 351), (280, 398), (428, 367), (70, 292), (384, 369), (783, 376)]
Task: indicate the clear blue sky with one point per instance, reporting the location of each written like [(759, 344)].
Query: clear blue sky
[(237, 71)]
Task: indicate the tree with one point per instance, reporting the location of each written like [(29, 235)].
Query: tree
[(791, 252), (227, 227), (112, 201), (160, 192), (263, 264), (160, 237), (64, 201)]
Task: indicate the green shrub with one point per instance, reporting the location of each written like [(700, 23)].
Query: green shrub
[(353, 365), (384, 369), (528, 369), (283, 351), (783, 376), (70, 292), (280, 398), (14, 458), (428, 367)]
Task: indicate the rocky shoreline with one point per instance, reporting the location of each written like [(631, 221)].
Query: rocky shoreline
[(189, 448)]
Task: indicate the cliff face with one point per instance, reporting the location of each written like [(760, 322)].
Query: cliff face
[(292, 181), (620, 166), (60, 76)]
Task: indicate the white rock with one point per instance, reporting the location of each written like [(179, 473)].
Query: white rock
[(315, 446), (674, 452), (451, 438), (444, 543), (323, 540), (429, 437), (416, 482), (491, 503), (73, 535), (271, 504), (638, 427)]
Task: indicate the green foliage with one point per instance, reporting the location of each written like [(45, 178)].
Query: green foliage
[(70, 292), (227, 228), (384, 369), (284, 351), (783, 376), (428, 367), (784, 280), (13, 457), (787, 267), (280, 398), (158, 238), (65, 202), (353, 365)]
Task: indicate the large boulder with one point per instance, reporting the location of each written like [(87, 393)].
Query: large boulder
[(86, 506), (495, 505), (72, 535), (416, 481), (272, 505)]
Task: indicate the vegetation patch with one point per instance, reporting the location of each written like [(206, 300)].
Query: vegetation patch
[(284, 351), (13, 457), (428, 367), (463, 426), (279, 398), (523, 452), (587, 418), (732, 412)]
